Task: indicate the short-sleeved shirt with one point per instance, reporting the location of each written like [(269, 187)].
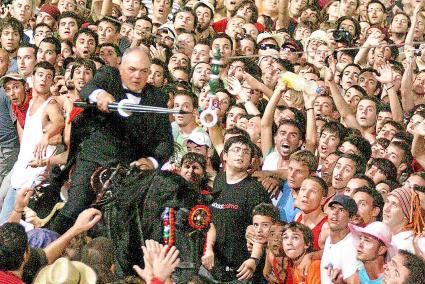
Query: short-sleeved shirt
[(341, 255), (231, 215)]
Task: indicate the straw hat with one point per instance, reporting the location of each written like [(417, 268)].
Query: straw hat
[(64, 271)]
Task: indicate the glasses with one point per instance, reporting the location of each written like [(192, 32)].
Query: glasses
[(237, 150), (266, 46), (288, 49), (47, 34)]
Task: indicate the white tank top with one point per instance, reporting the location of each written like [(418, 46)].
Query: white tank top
[(23, 175)]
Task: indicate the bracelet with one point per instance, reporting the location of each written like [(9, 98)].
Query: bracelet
[(255, 259), (389, 88), (20, 212), (310, 108)]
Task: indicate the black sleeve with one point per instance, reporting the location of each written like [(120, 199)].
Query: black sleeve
[(258, 195), (106, 78)]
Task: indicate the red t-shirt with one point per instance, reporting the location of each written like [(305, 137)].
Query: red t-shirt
[(220, 26), (21, 112), (9, 278)]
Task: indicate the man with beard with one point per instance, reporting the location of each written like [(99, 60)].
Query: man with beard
[(205, 13), (373, 245), (370, 204)]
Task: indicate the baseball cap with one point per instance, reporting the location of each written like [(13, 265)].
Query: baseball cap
[(345, 201), (11, 76), (199, 138), (52, 10), (292, 43)]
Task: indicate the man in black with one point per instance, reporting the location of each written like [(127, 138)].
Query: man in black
[(226, 252), (113, 139)]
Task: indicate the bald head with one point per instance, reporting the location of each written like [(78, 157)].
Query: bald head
[(4, 61), (134, 69)]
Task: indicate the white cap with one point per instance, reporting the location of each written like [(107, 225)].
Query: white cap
[(199, 138)]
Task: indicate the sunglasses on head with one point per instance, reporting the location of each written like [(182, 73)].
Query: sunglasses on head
[(265, 46), (291, 49)]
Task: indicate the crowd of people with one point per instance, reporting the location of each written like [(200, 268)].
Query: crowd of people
[(312, 173)]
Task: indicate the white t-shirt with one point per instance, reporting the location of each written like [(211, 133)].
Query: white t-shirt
[(270, 163), (404, 241), (342, 255)]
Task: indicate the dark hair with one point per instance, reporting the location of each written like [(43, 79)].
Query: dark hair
[(116, 24), (378, 2), (266, 209), (378, 201), (42, 25), (337, 128), (322, 184), (114, 46), (361, 144), (286, 64), (351, 64), (359, 89), (364, 177), (395, 124), (159, 62), (14, 24), (374, 72), (242, 139), (69, 14), (88, 32), (193, 157), (87, 63), (189, 94), (222, 35), (415, 265), (100, 255), (404, 136), (45, 65), (358, 160), (306, 157), (407, 153), (386, 166), (306, 231), (13, 245), (253, 8), (295, 124), (354, 21), (55, 42), (29, 45), (236, 131), (97, 59)]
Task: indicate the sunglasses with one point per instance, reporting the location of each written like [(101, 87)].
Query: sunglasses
[(288, 48), (265, 46)]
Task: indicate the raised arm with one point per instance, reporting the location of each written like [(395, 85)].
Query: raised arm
[(268, 118), (406, 89), (411, 32), (235, 88), (310, 137), (283, 16), (386, 78), (418, 144)]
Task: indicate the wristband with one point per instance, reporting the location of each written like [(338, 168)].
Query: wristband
[(307, 109), (255, 259), (389, 88), (20, 212)]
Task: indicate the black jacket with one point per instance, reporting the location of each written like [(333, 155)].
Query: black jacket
[(115, 138)]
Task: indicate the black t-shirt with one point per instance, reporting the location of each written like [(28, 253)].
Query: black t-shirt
[(231, 215)]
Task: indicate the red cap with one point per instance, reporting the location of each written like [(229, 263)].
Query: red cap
[(51, 10)]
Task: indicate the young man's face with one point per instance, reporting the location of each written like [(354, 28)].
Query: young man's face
[(26, 60), (233, 116), (68, 27), (183, 102), (369, 248), (15, 91), (47, 52), (347, 7), (399, 24), (376, 14), (130, 8), (44, 17), (328, 167), (352, 97), (161, 8), (200, 53), (293, 243), (350, 77), (109, 55), (383, 116), (328, 143), (224, 46), (201, 74), (238, 157), (67, 6), (204, 17), (10, 39), (192, 172), (85, 46), (310, 196), (41, 33), (369, 83), (393, 215), (394, 271), (107, 33), (395, 155), (366, 212), (82, 76), (275, 239), (156, 75), (143, 28), (287, 140), (387, 132), (376, 174), (323, 105), (297, 173), (348, 148), (344, 170), (21, 10), (366, 113), (43, 80), (262, 226), (184, 20), (338, 217), (185, 43), (178, 60)]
